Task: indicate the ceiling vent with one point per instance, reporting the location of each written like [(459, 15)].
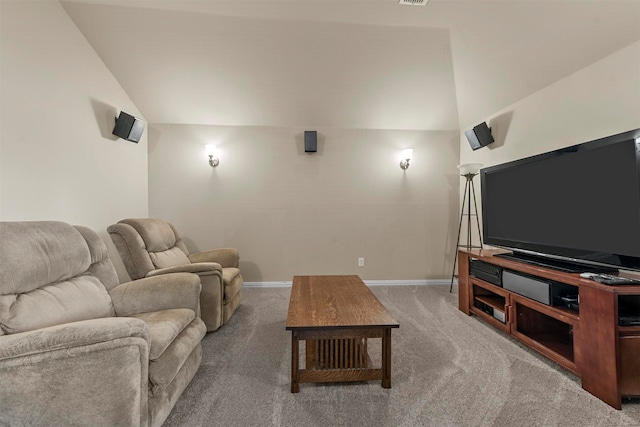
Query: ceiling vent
[(414, 2)]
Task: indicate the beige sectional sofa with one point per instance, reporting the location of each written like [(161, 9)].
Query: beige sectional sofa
[(76, 347)]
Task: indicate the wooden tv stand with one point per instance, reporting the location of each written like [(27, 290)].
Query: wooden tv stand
[(586, 341)]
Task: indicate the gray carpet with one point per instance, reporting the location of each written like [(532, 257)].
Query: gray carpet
[(448, 370)]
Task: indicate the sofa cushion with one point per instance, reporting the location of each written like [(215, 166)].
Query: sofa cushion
[(232, 282), (164, 369), (169, 258), (79, 298), (101, 266), (164, 326), (157, 234), (54, 252)]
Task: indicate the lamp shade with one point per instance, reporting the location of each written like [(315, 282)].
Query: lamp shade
[(469, 168), (407, 153), (211, 149)]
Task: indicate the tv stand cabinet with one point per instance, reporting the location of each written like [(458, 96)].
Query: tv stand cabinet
[(588, 341)]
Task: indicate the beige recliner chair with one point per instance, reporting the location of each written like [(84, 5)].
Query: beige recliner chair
[(77, 348), (150, 247)]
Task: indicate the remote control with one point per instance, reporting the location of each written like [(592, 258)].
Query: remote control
[(616, 281), (609, 279)]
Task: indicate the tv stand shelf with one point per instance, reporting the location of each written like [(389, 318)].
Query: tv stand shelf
[(588, 342)]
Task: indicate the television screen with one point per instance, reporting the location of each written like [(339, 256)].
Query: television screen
[(579, 204)]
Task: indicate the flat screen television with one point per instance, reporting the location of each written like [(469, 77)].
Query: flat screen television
[(576, 208)]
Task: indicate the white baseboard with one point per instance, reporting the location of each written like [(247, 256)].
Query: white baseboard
[(266, 284), (367, 282)]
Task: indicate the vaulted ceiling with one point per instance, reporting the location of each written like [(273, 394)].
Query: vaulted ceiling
[(370, 64)]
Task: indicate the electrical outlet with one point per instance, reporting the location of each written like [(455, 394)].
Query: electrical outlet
[(360, 262)]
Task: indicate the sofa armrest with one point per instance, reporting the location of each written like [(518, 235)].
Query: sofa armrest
[(211, 294), (226, 257), (85, 332), (163, 292), (92, 372), (199, 268)]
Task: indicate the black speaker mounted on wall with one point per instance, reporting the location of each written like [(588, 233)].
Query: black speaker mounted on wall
[(128, 127), (310, 141), (479, 136)]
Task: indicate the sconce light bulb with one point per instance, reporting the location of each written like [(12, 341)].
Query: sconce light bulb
[(407, 154), (212, 152)]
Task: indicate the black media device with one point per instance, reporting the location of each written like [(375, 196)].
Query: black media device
[(479, 136), (128, 127), (578, 205), (485, 271), (542, 290), (310, 141)]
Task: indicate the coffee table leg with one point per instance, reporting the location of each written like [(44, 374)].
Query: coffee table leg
[(386, 358), (295, 387)]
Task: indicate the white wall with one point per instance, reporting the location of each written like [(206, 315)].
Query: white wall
[(600, 100), (213, 69), (290, 212), (59, 160)]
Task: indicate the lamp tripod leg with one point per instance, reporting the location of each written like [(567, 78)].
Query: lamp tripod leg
[(455, 258), (475, 205)]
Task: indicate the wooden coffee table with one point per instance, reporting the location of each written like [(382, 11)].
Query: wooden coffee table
[(336, 315)]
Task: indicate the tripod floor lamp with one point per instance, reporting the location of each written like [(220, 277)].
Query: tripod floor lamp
[(469, 171)]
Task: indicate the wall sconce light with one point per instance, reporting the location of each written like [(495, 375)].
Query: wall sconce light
[(406, 157), (212, 152)]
